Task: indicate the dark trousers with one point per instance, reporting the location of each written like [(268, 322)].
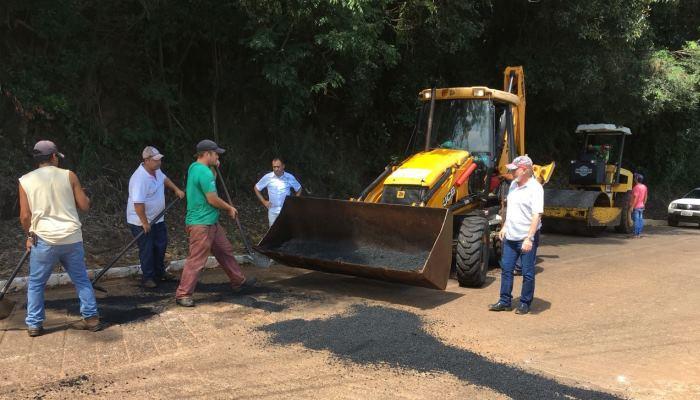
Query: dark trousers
[(511, 253), (152, 249)]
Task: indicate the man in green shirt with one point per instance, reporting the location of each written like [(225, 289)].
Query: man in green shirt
[(203, 229)]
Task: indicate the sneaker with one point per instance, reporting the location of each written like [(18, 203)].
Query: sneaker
[(91, 324), (249, 283), (35, 331), (522, 309), (167, 277), (500, 307), (150, 284), (184, 301)]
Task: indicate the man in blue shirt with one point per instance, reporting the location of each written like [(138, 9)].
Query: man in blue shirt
[(279, 185)]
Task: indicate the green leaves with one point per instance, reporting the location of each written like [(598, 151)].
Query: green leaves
[(674, 80), (332, 84)]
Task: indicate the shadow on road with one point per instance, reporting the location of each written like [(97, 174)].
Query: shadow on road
[(380, 335), (394, 293), (133, 304)]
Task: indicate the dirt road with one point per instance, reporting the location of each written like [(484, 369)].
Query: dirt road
[(612, 318)]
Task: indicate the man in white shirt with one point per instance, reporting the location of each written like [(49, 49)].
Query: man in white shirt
[(279, 185), (146, 201), (520, 234)]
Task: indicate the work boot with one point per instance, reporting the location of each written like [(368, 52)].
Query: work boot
[(91, 324), (167, 277), (249, 283), (35, 331), (184, 301), (149, 284), (522, 309), (500, 306)]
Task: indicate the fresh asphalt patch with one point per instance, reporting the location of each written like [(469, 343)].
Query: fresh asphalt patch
[(376, 335)]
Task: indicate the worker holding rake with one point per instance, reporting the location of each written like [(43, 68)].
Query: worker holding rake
[(49, 199), (205, 234)]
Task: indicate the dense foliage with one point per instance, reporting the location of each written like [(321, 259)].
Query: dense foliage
[(331, 85)]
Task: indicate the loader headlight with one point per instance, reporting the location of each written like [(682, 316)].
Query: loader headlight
[(478, 92), (426, 95)]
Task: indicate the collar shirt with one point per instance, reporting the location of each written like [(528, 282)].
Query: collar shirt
[(148, 190), (278, 188), (523, 202)]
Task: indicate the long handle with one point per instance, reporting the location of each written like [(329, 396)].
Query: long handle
[(134, 240), (238, 222), (14, 274)]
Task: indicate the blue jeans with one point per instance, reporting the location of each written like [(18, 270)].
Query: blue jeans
[(638, 219), (511, 253), (518, 264), (152, 250), (41, 261)]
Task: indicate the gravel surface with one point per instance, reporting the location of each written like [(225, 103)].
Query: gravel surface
[(356, 253), (141, 304), (381, 335)]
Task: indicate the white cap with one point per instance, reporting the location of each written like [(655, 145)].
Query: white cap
[(520, 161), (151, 152)]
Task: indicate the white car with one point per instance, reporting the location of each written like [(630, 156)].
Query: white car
[(686, 209)]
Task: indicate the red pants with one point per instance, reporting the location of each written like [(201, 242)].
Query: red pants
[(204, 239)]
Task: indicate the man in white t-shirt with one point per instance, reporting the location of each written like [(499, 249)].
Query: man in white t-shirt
[(520, 234), (279, 185), (146, 201)]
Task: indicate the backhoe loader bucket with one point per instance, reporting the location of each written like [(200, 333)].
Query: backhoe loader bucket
[(396, 243), (578, 212)]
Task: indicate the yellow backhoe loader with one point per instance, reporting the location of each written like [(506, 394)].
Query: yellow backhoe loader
[(600, 188), (436, 210)]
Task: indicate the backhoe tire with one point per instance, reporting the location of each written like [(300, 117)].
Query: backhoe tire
[(623, 201), (472, 253)]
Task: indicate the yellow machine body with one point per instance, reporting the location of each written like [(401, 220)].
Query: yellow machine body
[(598, 194), (405, 226)]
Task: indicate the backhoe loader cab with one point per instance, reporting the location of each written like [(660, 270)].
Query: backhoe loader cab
[(464, 124), (434, 210), (458, 131)]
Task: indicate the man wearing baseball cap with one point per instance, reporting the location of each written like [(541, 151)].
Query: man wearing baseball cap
[(49, 199), (146, 200), (202, 221), (637, 203), (520, 234)]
